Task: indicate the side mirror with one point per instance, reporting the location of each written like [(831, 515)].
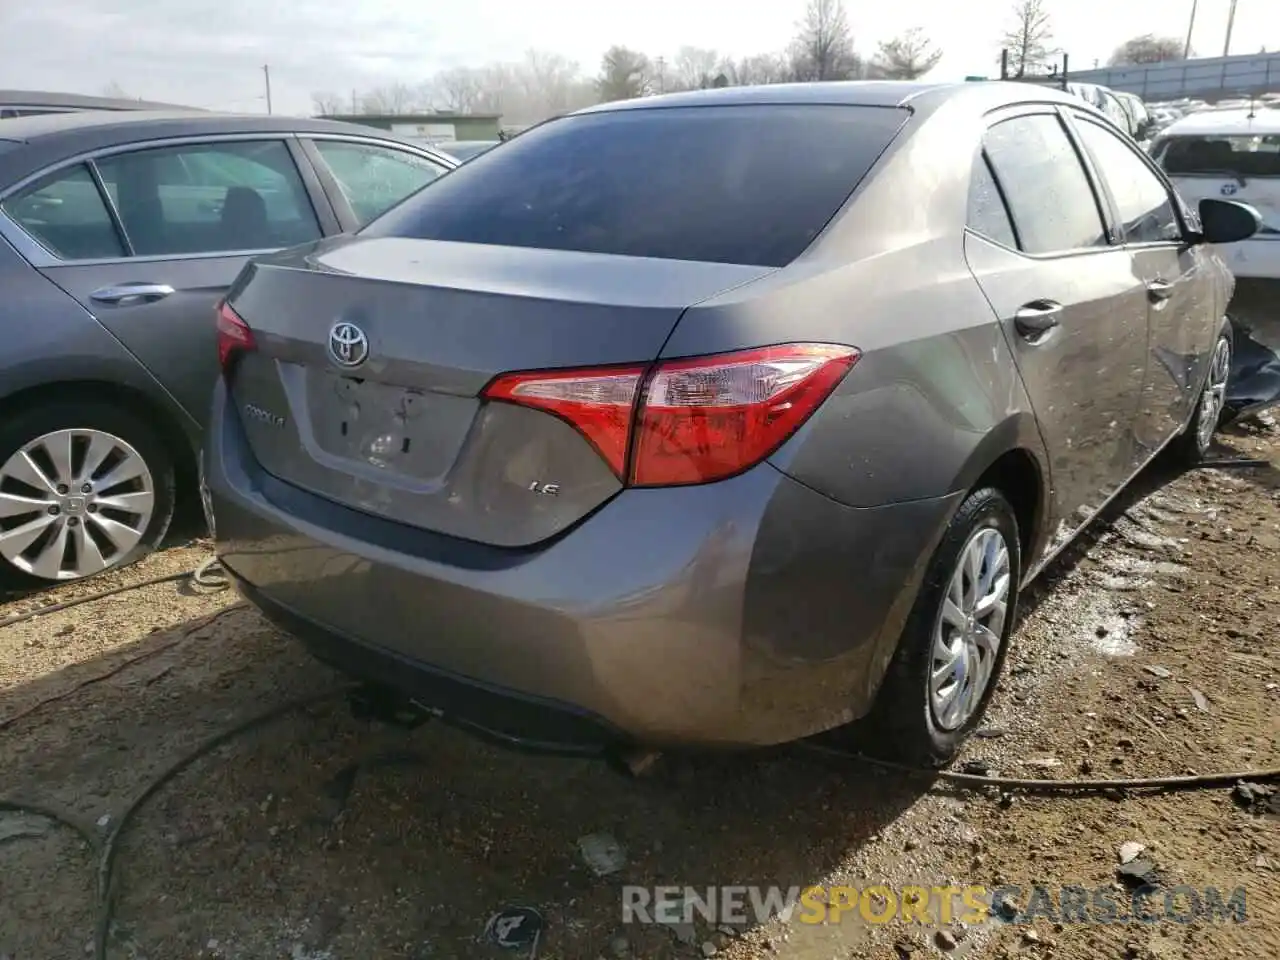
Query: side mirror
[(1227, 221)]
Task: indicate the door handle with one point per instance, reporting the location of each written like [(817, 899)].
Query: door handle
[(1037, 318), (1158, 290), (132, 293)]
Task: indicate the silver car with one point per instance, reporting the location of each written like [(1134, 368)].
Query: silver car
[(721, 418)]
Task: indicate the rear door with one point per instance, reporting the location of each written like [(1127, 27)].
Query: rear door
[(366, 178), (148, 239), (1182, 325), (1073, 310)]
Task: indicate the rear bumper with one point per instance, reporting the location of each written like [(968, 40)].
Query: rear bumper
[(1254, 259), (747, 612)]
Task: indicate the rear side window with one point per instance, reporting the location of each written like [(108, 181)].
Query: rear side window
[(65, 212), (744, 184), (1232, 156), (1050, 199)]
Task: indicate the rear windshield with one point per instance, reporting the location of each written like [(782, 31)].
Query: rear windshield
[(746, 184), (1241, 156)]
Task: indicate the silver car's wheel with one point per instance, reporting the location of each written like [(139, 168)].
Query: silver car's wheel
[(968, 630), (1214, 396), (73, 503)]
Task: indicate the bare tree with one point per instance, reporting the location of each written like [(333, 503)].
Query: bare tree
[(624, 75), (823, 47), (390, 100), (539, 86), (460, 90), (907, 57), (695, 69), (757, 69), (552, 84), (1029, 37), (327, 104), (1147, 48)]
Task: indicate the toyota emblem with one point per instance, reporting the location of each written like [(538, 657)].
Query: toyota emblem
[(348, 345)]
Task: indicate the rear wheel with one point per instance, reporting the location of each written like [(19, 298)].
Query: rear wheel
[(1194, 442), (954, 645), (84, 487)]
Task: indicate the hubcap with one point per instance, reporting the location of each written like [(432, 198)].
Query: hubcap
[(72, 503), (967, 633), (1214, 397)]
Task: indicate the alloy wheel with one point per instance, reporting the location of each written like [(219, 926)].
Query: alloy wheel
[(73, 503), (1214, 397), (969, 629)]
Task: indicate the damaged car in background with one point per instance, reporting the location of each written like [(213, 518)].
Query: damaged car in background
[(648, 430)]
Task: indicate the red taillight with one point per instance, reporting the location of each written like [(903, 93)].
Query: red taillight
[(691, 420), (598, 402), (234, 335), (709, 418)]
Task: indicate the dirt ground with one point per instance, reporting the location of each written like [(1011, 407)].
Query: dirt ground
[(1150, 650)]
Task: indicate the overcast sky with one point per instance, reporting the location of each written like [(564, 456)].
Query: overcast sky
[(209, 53)]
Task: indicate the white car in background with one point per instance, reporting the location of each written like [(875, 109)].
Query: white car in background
[(1231, 155)]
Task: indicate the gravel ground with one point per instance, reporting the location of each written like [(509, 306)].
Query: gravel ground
[(1149, 650)]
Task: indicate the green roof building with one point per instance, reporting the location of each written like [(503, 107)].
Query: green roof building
[(432, 127)]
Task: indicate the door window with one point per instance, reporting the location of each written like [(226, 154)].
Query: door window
[(210, 198), (373, 178), (1145, 206), (1050, 199), (65, 212), (987, 212)]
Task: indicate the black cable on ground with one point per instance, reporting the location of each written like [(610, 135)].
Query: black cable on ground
[(106, 861), (205, 575), (974, 780)]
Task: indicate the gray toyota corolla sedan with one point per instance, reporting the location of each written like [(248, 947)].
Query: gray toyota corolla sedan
[(721, 418)]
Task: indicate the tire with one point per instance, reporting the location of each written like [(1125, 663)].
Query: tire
[(906, 724), (1192, 445), (107, 527)]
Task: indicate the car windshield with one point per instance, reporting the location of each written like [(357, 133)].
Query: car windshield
[(708, 183), (1240, 155)]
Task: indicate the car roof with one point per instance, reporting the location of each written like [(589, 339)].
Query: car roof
[(1264, 121), (77, 101), (990, 94), (48, 138)]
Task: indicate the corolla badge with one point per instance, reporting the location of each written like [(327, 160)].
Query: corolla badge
[(255, 412), (348, 345), (1229, 189)]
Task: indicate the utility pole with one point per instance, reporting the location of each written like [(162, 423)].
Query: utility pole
[(1191, 28), (1231, 22), (662, 74), (266, 75)]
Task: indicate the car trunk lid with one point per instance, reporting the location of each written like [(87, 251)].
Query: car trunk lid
[(371, 355)]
